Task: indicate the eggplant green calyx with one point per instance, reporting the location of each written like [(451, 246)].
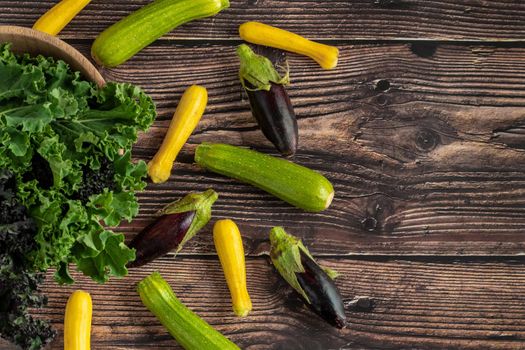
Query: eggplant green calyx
[(200, 203), (285, 253), (257, 72)]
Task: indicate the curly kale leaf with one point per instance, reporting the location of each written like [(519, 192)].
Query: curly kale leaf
[(18, 282), (69, 144)]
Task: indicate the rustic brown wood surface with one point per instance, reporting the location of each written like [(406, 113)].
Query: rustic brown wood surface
[(421, 128), (329, 19), (418, 304)]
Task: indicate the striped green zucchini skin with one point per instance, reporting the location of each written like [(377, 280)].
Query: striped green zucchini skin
[(190, 331), (293, 183), (124, 39)]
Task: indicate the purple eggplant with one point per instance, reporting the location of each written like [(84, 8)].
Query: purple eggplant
[(274, 113), (269, 101), (177, 223), (314, 284), (321, 291), (160, 237)]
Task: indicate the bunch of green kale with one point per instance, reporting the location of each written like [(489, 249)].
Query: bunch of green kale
[(68, 144)]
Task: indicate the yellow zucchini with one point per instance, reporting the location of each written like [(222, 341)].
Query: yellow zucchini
[(77, 321), (186, 117), (228, 243), (263, 34), (54, 20)]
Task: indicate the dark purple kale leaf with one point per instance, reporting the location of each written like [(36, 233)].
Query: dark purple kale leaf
[(18, 282)]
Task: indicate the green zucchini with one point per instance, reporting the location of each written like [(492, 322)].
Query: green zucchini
[(293, 183), (122, 40), (190, 331)]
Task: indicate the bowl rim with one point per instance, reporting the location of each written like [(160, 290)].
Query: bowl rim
[(74, 58)]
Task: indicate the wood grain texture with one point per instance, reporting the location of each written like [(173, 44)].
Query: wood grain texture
[(424, 141), (321, 20), (433, 164), (416, 305)]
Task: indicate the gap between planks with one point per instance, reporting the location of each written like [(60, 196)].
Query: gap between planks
[(198, 41)]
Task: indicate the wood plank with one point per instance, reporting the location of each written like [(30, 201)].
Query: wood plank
[(331, 19), (431, 165), (417, 305)]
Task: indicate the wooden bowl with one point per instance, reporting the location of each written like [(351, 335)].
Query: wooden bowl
[(26, 40)]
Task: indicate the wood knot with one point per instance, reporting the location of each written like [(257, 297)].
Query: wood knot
[(382, 85), (369, 223), (427, 140), (377, 215), (381, 100)]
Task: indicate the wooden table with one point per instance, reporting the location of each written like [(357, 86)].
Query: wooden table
[(421, 129)]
